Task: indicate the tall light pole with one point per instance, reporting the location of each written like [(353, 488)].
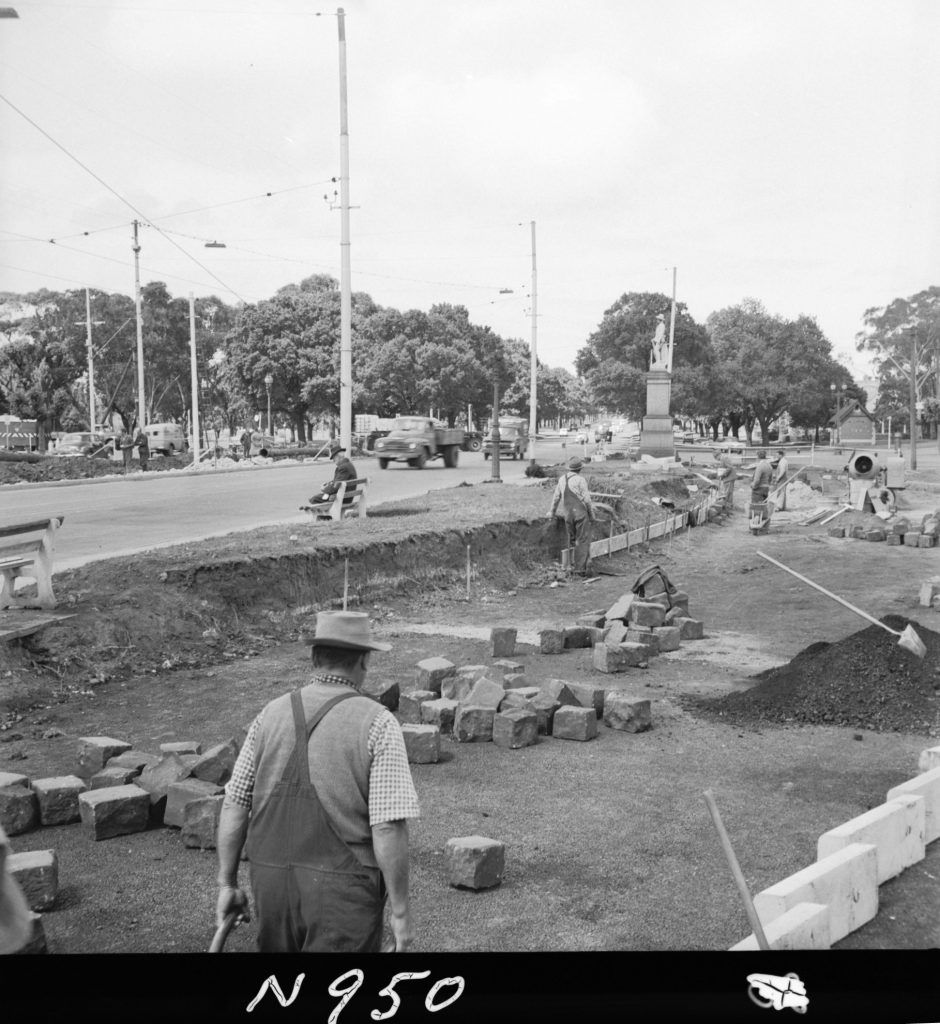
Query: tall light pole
[(345, 348), (91, 358), (268, 381), (533, 381), (140, 333), (194, 379)]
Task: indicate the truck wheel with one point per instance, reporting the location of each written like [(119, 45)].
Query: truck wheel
[(383, 463), (474, 444), (420, 461), (450, 456)]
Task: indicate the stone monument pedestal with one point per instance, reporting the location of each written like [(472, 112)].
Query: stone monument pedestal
[(657, 438)]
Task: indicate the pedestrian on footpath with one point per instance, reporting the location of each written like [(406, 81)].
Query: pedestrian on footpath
[(322, 793), (143, 449)]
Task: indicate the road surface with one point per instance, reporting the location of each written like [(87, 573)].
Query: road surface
[(111, 518)]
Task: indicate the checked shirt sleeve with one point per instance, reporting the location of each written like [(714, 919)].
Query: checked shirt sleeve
[(392, 793), (242, 783)]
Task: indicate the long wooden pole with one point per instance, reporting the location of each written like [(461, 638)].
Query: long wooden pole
[(756, 926)]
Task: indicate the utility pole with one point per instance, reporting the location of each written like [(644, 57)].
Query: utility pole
[(91, 359), (533, 383), (345, 350), (913, 397), (140, 334), (194, 379), (494, 438)]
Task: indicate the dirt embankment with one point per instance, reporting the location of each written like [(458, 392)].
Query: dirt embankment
[(199, 604)]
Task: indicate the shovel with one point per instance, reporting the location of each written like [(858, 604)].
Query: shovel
[(907, 638), (221, 934)]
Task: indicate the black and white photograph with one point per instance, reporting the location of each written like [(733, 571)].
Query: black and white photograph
[(470, 489)]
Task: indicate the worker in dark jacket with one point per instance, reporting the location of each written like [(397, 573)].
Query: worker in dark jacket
[(143, 449), (760, 482), (344, 470)]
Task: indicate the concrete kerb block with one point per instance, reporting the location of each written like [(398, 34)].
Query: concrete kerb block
[(94, 752), (647, 613), (929, 759), (409, 706), (137, 760), (516, 681), (37, 874), (503, 639), (926, 785), (615, 632), (589, 696), (620, 609), (485, 694), (690, 629), (431, 673), (669, 637), (201, 823), (627, 713), (545, 706), (216, 764), (515, 699), (182, 793), (422, 743), (895, 829), (515, 728), (19, 810), (929, 589), (845, 881), (474, 862), (559, 691), (592, 619), (13, 779), (112, 776), (574, 723), (552, 641), (506, 667), (474, 724), (58, 799), (37, 939), (805, 926), (157, 781), (439, 712), (118, 811), (181, 747), (609, 658), (386, 691)]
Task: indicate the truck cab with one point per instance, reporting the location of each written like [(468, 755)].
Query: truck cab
[(513, 439), (417, 440)]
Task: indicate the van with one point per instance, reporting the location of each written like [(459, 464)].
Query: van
[(166, 438)]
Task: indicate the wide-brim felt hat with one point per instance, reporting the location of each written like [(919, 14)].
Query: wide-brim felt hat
[(344, 629), (336, 448), (575, 464)]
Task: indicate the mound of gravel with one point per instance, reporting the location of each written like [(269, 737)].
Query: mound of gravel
[(866, 681)]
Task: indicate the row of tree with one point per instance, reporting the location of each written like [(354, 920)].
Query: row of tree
[(743, 366)]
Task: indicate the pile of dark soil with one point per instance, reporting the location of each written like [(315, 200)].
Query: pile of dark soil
[(866, 681)]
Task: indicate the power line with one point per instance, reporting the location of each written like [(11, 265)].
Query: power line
[(115, 193)]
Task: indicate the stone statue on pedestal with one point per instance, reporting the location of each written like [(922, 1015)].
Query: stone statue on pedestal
[(661, 351)]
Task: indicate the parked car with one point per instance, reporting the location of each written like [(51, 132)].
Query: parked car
[(80, 443)]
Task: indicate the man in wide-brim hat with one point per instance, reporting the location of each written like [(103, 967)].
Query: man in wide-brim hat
[(344, 470), (322, 793), (572, 502)]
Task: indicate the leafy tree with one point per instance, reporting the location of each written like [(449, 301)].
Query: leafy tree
[(617, 355)]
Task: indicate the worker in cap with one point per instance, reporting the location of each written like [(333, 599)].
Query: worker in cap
[(344, 470), (572, 502), (726, 474), (320, 796), (761, 480)]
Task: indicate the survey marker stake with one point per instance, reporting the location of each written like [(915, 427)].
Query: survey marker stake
[(756, 926), (907, 638)]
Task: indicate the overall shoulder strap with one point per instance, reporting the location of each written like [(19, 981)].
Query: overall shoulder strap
[(304, 729)]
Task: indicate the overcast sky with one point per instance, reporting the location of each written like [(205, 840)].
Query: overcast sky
[(785, 151)]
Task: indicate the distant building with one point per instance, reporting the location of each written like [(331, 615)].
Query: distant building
[(854, 423)]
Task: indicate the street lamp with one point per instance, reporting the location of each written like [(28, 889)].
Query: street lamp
[(839, 392), (268, 381)]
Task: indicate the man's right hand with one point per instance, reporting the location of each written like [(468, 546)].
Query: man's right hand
[(231, 899), (402, 931)]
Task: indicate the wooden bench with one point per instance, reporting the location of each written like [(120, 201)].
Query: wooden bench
[(29, 559), (349, 500)]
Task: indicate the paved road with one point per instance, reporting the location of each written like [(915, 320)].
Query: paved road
[(114, 518)]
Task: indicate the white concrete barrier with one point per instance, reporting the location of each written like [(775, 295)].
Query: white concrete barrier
[(895, 829), (805, 926), (845, 881), (926, 785)]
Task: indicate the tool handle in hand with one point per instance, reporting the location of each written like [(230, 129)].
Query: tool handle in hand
[(221, 934)]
